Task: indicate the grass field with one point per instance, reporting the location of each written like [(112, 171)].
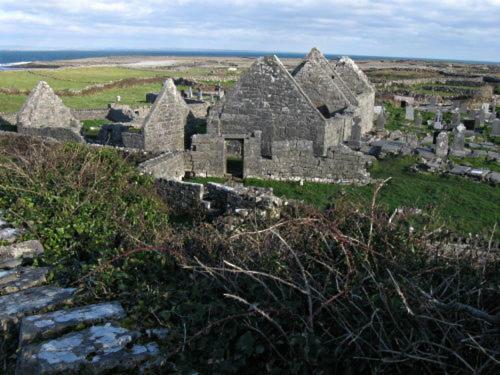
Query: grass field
[(15, 85), (460, 204)]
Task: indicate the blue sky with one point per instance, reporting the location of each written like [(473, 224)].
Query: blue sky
[(456, 29)]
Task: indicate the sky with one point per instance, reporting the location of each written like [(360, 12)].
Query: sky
[(449, 29)]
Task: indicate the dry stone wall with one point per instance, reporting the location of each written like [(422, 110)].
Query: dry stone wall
[(169, 165)]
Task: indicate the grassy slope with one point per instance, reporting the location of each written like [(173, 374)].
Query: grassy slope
[(461, 204)]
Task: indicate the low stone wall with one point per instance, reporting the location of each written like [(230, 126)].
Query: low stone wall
[(182, 197), (8, 118), (168, 166)]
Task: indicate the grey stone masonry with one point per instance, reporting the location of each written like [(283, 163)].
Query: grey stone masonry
[(120, 113), (355, 139), (418, 119), (44, 114), (163, 128), (380, 122), (268, 99), (182, 197), (319, 81), (409, 113), (20, 279), (169, 165), (360, 85)]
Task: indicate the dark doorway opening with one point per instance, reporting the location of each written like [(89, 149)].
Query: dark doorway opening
[(403, 104), (234, 157)]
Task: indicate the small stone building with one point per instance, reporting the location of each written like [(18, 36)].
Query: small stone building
[(44, 114)]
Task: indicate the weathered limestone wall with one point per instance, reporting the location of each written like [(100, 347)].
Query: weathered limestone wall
[(207, 156), (366, 104), (44, 114), (169, 165), (165, 125), (181, 197), (89, 114), (268, 99), (132, 140), (294, 160)]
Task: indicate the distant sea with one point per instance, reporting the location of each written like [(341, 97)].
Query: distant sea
[(10, 59)]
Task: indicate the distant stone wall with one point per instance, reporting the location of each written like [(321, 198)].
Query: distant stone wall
[(89, 114), (169, 166), (8, 118)]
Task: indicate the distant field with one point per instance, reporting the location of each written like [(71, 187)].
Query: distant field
[(15, 85)]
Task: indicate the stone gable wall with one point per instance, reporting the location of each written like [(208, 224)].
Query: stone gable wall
[(268, 99)]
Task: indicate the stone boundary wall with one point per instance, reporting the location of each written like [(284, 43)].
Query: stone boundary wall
[(167, 166), (90, 114), (417, 81), (182, 197)]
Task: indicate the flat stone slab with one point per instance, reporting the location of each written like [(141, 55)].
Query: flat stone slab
[(494, 177), (460, 170), (17, 305), (13, 255), (22, 278), (478, 173), (49, 325), (96, 350), (8, 234)]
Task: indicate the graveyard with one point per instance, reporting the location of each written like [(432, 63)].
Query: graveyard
[(249, 215)]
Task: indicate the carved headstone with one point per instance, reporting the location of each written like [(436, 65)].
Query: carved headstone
[(44, 114), (164, 127), (442, 145)]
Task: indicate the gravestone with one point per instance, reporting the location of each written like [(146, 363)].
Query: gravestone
[(200, 95), (418, 119), (380, 126), (485, 107), (355, 140), (463, 107), (458, 145), (495, 128), (190, 92), (438, 125), (442, 145), (439, 116), (433, 101), (44, 114), (410, 113), (118, 98), (455, 120)]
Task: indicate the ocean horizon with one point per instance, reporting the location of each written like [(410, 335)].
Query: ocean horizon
[(9, 59)]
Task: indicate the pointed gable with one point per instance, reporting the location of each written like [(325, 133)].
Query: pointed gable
[(353, 76), (44, 114), (322, 84), (267, 98), (164, 127)]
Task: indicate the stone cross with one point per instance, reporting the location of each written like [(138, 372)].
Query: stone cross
[(190, 92), (410, 113), (418, 119), (495, 128), (355, 140), (442, 145), (380, 127)]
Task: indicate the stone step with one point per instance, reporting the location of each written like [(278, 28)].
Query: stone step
[(13, 255), (22, 278), (96, 350), (15, 306), (45, 326)]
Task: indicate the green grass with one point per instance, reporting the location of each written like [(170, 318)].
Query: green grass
[(91, 127), (462, 205), (11, 103), (478, 163)]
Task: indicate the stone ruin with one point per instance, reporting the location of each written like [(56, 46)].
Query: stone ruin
[(44, 114)]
